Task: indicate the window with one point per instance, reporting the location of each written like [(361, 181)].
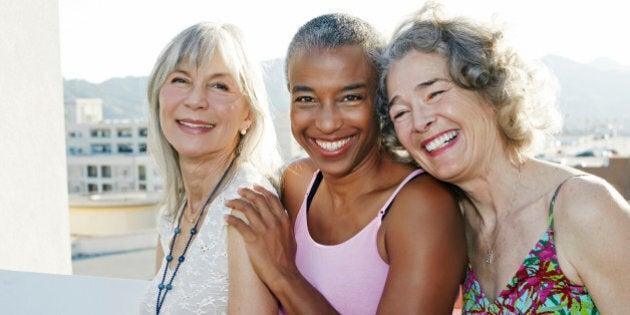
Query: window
[(100, 148), (107, 187), (125, 148), (124, 133), (100, 133), (142, 172), (142, 147), (106, 171), (142, 132), (92, 171), (92, 188)]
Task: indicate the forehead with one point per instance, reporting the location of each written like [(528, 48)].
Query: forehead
[(331, 67), (419, 65)]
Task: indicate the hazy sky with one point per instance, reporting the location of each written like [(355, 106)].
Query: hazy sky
[(116, 38)]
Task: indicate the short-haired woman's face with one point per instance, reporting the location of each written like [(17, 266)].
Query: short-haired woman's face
[(202, 109), (447, 130), (332, 106)]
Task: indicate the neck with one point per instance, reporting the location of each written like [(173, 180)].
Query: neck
[(492, 192), (200, 177), (354, 183)]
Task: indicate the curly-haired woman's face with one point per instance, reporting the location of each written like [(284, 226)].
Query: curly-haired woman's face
[(448, 130)]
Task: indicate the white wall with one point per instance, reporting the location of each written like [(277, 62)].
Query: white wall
[(34, 227)]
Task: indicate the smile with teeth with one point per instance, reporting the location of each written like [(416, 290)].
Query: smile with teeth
[(193, 125), (331, 146), (441, 141)]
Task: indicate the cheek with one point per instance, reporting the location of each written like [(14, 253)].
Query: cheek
[(403, 132), (298, 117)]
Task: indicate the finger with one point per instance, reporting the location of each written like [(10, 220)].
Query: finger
[(241, 227), (272, 200), (259, 202), (246, 208)]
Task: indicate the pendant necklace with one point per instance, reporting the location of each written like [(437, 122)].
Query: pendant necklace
[(490, 251), (162, 287)]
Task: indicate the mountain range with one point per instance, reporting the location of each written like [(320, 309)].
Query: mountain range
[(592, 94)]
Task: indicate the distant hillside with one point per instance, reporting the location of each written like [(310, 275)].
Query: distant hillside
[(591, 94), (122, 97)]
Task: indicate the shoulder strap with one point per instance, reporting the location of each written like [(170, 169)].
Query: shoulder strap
[(390, 201), (314, 185), (555, 194)]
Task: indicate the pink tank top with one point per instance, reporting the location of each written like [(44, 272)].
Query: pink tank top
[(350, 275)]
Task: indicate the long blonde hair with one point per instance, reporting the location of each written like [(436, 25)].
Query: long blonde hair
[(197, 44)]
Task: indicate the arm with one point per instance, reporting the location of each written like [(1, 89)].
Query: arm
[(271, 245), (592, 223), (426, 249), (247, 294)]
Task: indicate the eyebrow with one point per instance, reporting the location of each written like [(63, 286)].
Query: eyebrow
[(303, 88), (213, 76), (421, 86)]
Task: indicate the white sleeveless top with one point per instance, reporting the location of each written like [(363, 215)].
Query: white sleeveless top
[(202, 282)]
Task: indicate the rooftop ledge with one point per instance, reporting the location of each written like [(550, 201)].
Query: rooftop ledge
[(42, 293)]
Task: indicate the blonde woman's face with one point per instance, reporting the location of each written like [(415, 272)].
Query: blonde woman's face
[(202, 109), (448, 130)]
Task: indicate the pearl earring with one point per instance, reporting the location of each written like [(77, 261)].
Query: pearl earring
[(243, 131)]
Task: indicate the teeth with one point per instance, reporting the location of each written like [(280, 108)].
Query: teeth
[(441, 141), (331, 146), (191, 125)]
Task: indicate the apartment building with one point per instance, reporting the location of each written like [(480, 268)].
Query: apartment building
[(107, 156)]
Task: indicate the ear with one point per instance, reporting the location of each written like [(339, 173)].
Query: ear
[(247, 121)]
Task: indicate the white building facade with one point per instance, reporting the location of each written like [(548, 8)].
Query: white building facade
[(107, 156)]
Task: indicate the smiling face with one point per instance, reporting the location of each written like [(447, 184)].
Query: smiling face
[(448, 130), (202, 109), (332, 107)]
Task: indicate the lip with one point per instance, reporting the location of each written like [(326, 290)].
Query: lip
[(332, 148), (194, 126), (448, 139)]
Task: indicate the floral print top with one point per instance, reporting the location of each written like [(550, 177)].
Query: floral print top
[(539, 286)]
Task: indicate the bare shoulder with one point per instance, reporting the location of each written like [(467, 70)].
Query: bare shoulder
[(295, 180), (425, 205), (586, 199), (591, 222), (424, 193)]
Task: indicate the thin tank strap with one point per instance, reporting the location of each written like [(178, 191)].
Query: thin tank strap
[(317, 179), (390, 201), (555, 194)]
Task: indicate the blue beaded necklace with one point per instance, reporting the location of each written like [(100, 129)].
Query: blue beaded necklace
[(164, 288)]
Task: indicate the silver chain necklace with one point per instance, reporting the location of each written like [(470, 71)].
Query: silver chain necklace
[(490, 251)]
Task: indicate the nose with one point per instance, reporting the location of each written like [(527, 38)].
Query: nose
[(196, 98), (422, 118), (329, 118)]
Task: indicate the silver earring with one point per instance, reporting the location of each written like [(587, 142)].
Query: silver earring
[(243, 131)]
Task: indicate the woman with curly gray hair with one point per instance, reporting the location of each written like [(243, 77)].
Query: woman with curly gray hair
[(466, 108)]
